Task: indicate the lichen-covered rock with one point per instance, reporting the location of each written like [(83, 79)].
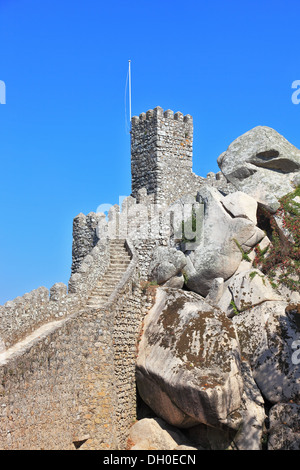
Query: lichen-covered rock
[(251, 288), (268, 334), (222, 239), (188, 366), (284, 430), (263, 164)]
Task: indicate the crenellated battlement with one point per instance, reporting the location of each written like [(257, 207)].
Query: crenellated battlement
[(159, 113)]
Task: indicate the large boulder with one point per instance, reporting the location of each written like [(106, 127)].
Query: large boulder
[(263, 164), (268, 334), (240, 204), (188, 365), (250, 432), (284, 430), (165, 264), (251, 288), (222, 240), (155, 434)]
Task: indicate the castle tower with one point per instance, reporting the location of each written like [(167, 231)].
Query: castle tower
[(161, 154)]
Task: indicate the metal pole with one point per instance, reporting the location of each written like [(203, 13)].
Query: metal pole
[(130, 89)]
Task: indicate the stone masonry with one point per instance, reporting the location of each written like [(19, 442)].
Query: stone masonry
[(161, 154), (67, 356)]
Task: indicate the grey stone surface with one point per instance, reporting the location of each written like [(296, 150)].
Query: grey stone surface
[(58, 291), (188, 366), (175, 281), (155, 434), (216, 291), (250, 434), (263, 164), (240, 204), (267, 334), (166, 263), (251, 288), (284, 431), (161, 155), (218, 253), (84, 237)]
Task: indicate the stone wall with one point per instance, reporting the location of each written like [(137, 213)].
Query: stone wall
[(74, 382), (84, 237), (92, 267), (161, 155), (67, 372), (23, 315), (55, 391)]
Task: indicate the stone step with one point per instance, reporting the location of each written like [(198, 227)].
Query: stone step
[(120, 258), (114, 273), (116, 269), (119, 261), (104, 287), (118, 249), (107, 282), (114, 266), (111, 278)]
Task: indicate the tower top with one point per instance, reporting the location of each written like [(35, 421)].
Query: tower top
[(161, 154), (159, 113)]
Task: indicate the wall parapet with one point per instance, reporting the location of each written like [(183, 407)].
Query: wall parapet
[(80, 376), (92, 268), (158, 112), (21, 316)]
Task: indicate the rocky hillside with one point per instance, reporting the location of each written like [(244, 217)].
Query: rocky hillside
[(218, 364)]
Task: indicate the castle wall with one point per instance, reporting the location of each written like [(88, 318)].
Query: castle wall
[(58, 391), (75, 381), (84, 237), (67, 372), (23, 315)]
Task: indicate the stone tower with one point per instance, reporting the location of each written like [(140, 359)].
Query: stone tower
[(161, 154)]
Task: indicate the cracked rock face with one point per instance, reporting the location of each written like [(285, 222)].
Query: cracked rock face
[(263, 164), (222, 238), (251, 288), (268, 335), (188, 367)]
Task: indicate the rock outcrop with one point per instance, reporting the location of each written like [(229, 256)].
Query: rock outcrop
[(156, 434), (223, 239), (284, 432), (166, 263), (263, 164), (266, 334), (188, 367)]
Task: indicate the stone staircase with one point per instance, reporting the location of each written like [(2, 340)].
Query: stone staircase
[(119, 261)]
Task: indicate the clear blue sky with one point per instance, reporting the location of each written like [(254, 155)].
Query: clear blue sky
[(64, 147)]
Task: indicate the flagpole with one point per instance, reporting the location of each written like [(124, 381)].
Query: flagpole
[(129, 71)]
